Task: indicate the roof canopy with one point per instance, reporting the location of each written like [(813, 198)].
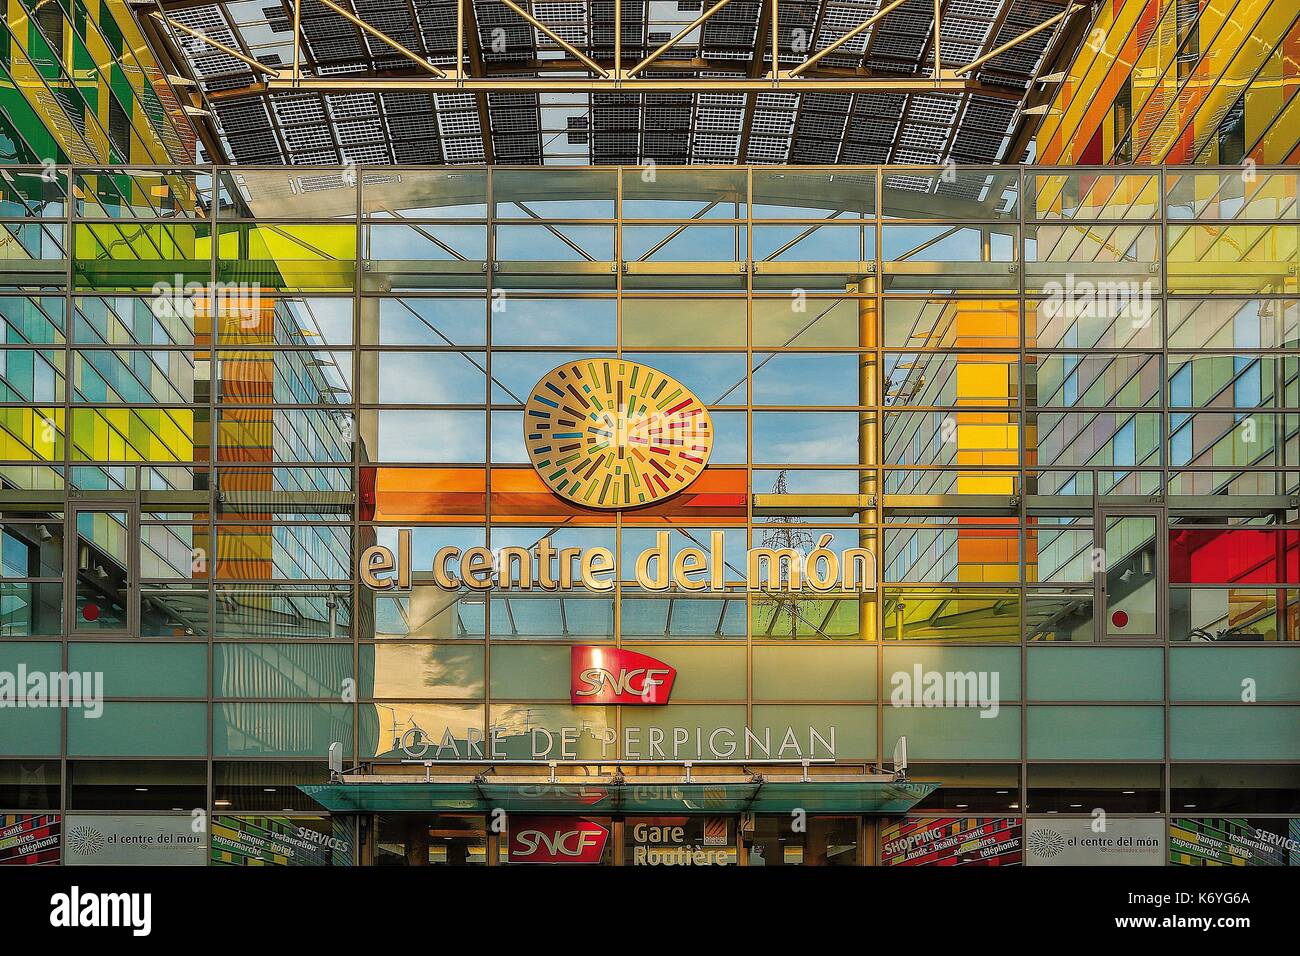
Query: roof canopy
[(679, 81), (856, 794)]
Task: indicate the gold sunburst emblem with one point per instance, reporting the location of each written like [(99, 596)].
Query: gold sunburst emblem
[(608, 433)]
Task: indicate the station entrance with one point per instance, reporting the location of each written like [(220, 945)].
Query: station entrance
[(430, 813)]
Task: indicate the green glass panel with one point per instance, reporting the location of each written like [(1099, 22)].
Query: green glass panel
[(701, 323), (1236, 674), (280, 730), (683, 732), (28, 732), (813, 731), (420, 671), (1247, 732), (1095, 733), (292, 257), (139, 256), (995, 672), (145, 670), (530, 673), (703, 673), (954, 733), (814, 672), (140, 730), (34, 656), (422, 730), (280, 670), (1095, 673)]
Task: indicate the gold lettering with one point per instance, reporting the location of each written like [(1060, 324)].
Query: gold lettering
[(687, 562), (522, 577), (567, 556), (376, 560), (783, 567), (597, 561), (404, 563), (473, 564), (656, 568), (658, 554), (441, 576), (858, 567), (718, 559), (544, 554)]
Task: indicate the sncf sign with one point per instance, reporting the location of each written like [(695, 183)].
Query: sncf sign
[(556, 840), (611, 675)]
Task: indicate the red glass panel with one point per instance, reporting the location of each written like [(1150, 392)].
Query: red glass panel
[(1234, 556)]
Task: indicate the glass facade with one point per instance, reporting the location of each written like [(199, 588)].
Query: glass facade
[(1180, 81), (79, 84), (1059, 408)]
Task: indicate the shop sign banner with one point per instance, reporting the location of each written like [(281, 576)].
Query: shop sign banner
[(783, 742), (951, 841), (611, 675), (1234, 841), (1082, 841), (660, 568), (680, 841), (272, 841), (145, 840), (29, 839), (556, 840)]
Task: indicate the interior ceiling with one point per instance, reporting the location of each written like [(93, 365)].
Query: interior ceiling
[(319, 127)]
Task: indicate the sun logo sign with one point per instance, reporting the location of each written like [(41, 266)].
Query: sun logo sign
[(609, 434)]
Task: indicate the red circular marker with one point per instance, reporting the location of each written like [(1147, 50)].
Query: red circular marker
[(1119, 619), (90, 612)]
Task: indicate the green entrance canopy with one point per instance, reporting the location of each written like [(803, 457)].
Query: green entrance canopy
[(648, 795)]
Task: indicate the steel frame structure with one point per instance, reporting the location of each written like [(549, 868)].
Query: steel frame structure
[(616, 76), (802, 54)]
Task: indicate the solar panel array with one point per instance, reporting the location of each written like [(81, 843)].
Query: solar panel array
[(687, 127)]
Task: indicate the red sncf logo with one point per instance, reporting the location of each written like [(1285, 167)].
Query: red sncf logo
[(556, 840), (611, 675)]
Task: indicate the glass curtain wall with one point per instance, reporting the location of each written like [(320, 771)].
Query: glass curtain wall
[(1060, 406)]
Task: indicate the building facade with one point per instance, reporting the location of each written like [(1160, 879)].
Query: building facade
[(79, 84), (256, 421), (1180, 81)]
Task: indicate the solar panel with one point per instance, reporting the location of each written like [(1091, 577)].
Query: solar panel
[(263, 125)]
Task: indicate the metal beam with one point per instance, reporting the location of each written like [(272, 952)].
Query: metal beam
[(776, 40), (1060, 51), (608, 84), (677, 38), (297, 39), (468, 39), (216, 44), (174, 61), (840, 41), (383, 38), (765, 34), (539, 25), (1015, 41)]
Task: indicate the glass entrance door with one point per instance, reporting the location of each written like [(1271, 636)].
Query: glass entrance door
[(1130, 573), (101, 569)]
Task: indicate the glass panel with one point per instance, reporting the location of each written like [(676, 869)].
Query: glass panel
[(1131, 585), (265, 785), (136, 785), (1082, 788), (844, 193), (406, 839), (102, 570)]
